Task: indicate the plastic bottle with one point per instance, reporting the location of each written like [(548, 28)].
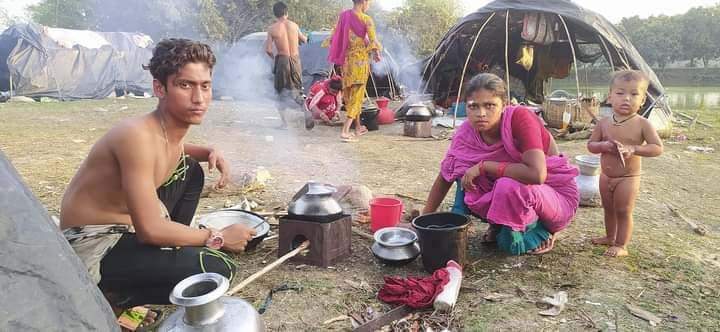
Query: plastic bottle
[(445, 301)]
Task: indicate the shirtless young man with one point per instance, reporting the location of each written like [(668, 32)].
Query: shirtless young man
[(622, 139), (127, 210), (286, 36)]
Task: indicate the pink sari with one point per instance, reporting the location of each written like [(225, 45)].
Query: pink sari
[(340, 40), (506, 201)]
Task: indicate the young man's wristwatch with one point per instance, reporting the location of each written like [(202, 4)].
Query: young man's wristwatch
[(215, 240)]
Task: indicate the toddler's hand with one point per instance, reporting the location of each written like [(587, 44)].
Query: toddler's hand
[(627, 151), (611, 146)]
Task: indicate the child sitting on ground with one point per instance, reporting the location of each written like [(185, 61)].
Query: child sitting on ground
[(621, 140), (325, 100)]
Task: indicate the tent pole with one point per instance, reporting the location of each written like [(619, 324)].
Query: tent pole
[(572, 48), (607, 51), (372, 79), (11, 85), (507, 57), (447, 49), (391, 75), (467, 61)]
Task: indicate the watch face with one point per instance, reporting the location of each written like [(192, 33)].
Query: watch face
[(215, 241)]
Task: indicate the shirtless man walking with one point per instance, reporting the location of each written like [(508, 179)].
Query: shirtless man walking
[(127, 210), (286, 36)]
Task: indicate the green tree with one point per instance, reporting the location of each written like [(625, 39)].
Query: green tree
[(700, 28), (657, 38), (315, 14), (69, 14), (5, 19), (424, 22)]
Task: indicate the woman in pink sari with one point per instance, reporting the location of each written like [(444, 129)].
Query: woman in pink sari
[(510, 170)]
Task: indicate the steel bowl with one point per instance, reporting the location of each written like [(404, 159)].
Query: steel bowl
[(588, 164), (224, 218), (395, 245)]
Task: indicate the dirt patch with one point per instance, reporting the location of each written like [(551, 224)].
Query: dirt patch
[(672, 272)]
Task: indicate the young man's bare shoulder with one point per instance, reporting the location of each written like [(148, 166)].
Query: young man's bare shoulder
[(134, 132)]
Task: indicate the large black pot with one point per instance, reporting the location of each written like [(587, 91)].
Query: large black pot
[(443, 237), (368, 118)]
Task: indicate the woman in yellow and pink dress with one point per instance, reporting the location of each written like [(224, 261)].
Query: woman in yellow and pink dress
[(352, 42)]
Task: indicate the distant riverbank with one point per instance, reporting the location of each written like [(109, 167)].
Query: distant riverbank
[(667, 76)]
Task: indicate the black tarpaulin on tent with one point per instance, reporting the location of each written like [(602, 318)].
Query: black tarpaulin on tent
[(591, 35)]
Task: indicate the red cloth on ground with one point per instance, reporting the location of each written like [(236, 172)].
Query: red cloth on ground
[(528, 132), (415, 292)]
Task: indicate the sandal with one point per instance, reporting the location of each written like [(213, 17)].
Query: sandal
[(549, 246), (134, 319), (349, 139)]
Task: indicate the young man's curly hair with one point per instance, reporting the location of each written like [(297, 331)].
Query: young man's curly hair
[(172, 54)]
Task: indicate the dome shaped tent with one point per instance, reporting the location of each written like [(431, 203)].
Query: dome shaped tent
[(559, 32)]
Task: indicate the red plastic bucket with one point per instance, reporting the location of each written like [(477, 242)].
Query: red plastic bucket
[(382, 102), (384, 212)]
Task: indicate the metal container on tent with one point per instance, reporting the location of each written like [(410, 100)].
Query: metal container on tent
[(534, 42)]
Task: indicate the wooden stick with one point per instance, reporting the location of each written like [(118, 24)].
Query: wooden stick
[(385, 319), (363, 234), (683, 115), (271, 213), (700, 230), (269, 267), (335, 319), (410, 197)]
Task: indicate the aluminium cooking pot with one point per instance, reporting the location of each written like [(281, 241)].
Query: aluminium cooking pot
[(314, 202), (418, 112), (395, 245)]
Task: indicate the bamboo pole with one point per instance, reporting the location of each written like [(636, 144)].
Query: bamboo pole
[(572, 49), (11, 85), (507, 56), (267, 268), (467, 61)]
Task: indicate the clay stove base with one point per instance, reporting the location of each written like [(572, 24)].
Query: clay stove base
[(419, 129), (329, 242)]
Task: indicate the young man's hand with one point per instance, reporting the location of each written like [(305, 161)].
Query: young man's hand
[(217, 160), (236, 237)]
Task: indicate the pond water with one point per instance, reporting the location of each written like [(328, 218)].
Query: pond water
[(679, 97)]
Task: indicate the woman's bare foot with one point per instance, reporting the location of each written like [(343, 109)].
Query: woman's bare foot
[(362, 131), (605, 241), (616, 251), (544, 247)]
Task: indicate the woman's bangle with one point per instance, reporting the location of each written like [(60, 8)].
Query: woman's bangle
[(481, 167), (501, 169)]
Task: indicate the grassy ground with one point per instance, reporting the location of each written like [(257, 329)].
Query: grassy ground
[(672, 272)]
